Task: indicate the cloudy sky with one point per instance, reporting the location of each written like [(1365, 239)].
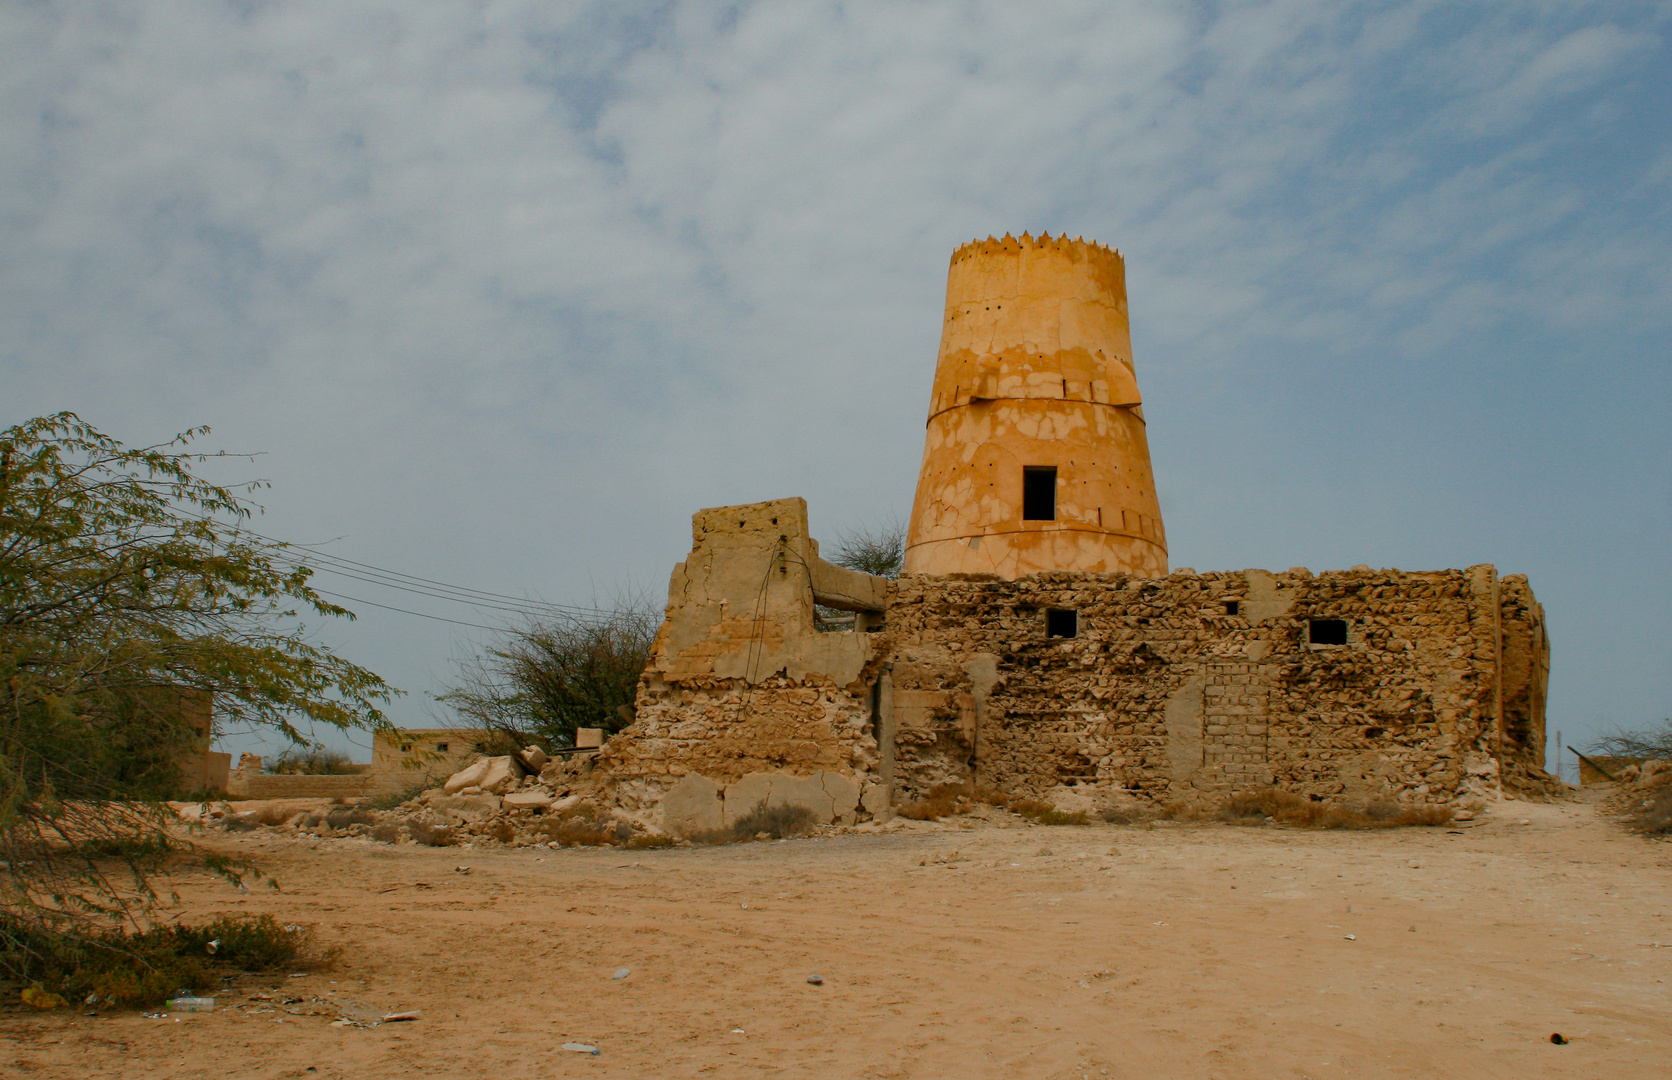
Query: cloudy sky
[(504, 291)]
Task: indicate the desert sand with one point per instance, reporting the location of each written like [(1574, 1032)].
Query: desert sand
[(979, 947)]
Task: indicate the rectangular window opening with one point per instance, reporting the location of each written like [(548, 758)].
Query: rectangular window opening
[(1327, 631), (1061, 623), (1232, 607), (1039, 493)]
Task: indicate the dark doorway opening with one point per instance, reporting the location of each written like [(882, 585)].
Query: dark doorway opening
[(1060, 623), (1039, 493)]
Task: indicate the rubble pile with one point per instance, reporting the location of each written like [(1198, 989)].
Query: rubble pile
[(1645, 796), (516, 800)]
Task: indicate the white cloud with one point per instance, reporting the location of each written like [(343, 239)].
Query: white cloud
[(507, 290)]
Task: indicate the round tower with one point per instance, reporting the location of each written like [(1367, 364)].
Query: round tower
[(1036, 457)]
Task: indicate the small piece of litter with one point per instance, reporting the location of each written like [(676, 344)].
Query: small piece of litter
[(1559, 1039), (745, 906), (398, 1017), (816, 980), (190, 1004), (622, 973), (461, 869), (1350, 937), (581, 1048), (738, 1031)]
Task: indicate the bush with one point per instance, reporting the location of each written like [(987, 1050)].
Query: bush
[(391, 799), (778, 822), (432, 835), (546, 679), (342, 819), (386, 834), (144, 968), (942, 800), (581, 827), (1652, 813), (1287, 808), (313, 761)]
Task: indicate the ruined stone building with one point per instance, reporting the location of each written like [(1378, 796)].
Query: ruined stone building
[(1036, 642)]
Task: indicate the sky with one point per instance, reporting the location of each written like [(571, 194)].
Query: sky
[(502, 292)]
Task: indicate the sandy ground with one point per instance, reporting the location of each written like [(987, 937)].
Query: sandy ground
[(973, 949)]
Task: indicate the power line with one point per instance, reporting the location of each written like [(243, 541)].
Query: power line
[(404, 611), (322, 560), (394, 579), (382, 577), (484, 604)]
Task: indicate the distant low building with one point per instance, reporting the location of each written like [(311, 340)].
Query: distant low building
[(413, 757)]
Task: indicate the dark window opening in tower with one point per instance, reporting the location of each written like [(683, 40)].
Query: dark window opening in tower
[(1039, 493), (1060, 623), (1327, 632)]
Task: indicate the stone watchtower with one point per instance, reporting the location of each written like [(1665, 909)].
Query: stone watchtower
[(1036, 456)]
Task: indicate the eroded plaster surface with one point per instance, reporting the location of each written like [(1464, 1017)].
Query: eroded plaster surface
[(1035, 370)]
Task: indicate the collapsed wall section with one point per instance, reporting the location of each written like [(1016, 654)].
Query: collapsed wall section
[(746, 701)]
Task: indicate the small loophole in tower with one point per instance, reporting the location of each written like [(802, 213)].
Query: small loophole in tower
[(1232, 607), (1039, 493), (1327, 632), (1061, 623)]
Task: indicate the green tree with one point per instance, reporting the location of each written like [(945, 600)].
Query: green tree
[(547, 678), (127, 586)]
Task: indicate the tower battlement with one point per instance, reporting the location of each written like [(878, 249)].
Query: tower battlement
[(993, 245)]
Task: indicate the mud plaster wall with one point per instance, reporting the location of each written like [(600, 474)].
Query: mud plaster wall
[(741, 682), (1163, 694)]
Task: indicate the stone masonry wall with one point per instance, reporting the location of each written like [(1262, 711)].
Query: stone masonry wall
[(726, 729), (1167, 691)]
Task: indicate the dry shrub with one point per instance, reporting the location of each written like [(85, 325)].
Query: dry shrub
[(943, 800), (255, 819), (1287, 808), (386, 834), (503, 831), (778, 822), (1041, 812), (647, 840), (144, 967), (1653, 814), (583, 831), (342, 819), (239, 823), (432, 835)]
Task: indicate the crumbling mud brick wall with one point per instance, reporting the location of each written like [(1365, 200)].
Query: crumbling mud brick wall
[(1361, 684), (745, 699)]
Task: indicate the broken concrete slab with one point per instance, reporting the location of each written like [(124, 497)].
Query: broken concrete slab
[(469, 776), (502, 774), (530, 799)]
